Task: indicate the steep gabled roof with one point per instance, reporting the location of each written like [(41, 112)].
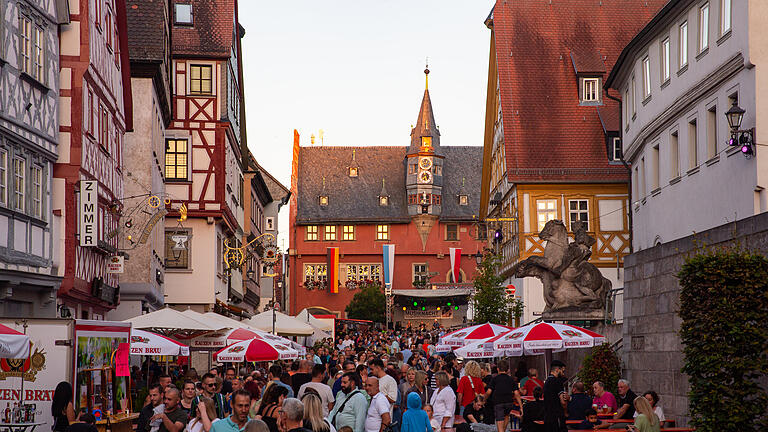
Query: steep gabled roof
[(211, 33), (540, 45), (356, 199)]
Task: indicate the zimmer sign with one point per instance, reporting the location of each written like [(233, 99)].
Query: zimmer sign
[(89, 205)]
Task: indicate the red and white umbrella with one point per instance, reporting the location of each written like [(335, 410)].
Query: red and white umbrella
[(544, 336), (255, 349), (474, 333), (13, 344), (148, 343)]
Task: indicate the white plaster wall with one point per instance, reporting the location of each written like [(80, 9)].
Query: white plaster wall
[(719, 190)]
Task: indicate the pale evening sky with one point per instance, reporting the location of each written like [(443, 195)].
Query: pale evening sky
[(355, 70)]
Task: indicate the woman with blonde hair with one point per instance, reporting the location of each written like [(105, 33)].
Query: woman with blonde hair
[(470, 385), (647, 420), (204, 417), (405, 386), (313, 414), (420, 387)]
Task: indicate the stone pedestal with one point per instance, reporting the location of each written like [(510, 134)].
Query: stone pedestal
[(574, 315)]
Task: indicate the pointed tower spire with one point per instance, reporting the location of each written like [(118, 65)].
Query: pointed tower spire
[(425, 133)]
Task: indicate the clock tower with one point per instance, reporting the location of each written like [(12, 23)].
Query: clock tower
[(424, 163)]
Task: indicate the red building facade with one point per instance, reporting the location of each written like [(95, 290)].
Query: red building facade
[(423, 198)]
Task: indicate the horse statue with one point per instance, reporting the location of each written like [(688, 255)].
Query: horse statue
[(570, 281)]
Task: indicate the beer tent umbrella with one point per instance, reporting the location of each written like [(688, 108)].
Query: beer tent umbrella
[(170, 322), (467, 335), (532, 339), (284, 324), (256, 350), (232, 330), (148, 343), (13, 344)]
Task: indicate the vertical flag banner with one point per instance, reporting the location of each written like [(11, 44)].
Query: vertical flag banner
[(333, 270), (455, 263), (388, 262)]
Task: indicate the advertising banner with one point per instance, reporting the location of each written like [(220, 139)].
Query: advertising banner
[(428, 314), (97, 387), (49, 362)]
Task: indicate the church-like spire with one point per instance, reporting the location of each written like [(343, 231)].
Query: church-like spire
[(425, 125)]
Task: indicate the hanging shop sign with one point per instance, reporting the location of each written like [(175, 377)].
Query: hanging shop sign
[(89, 197)]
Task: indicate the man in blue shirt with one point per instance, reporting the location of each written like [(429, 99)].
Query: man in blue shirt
[(241, 403)]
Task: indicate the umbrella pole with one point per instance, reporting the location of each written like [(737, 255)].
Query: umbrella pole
[(21, 396)]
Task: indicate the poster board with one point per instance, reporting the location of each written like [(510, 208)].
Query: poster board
[(96, 386), (50, 362)]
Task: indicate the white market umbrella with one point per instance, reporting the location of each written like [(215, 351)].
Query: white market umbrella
[(443, 348), (308, 318), (169, 322), (255, 349), (148, 343), (545, 336), (13, 344), (284, 324), (467, 335)]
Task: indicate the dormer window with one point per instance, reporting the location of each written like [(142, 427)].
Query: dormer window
[(590, 90), (615, 149), (426, 142), (353, 171), (183, 12), (463, 200), (383, 201), (323, 200)]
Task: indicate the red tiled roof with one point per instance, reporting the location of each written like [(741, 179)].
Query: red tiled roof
[(548, 136), (212, 31)]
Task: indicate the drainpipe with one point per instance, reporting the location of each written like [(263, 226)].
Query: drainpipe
[(629, 171)]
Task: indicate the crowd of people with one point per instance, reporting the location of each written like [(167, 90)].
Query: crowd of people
[(380, 382)]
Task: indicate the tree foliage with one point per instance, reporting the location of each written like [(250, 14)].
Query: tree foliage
[(368, 304), (490, 301), (601, 364), (724, 330)]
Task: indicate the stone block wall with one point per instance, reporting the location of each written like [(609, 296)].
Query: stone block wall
[(652, 351)]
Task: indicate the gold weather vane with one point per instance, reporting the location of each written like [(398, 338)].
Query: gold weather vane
[(426, 74)]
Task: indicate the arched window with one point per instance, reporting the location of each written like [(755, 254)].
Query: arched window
[(449, 276)]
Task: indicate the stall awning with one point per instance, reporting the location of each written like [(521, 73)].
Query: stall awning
[(427, 293)]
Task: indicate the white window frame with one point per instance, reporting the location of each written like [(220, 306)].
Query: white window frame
[(545, 212), (627, 107), (665, 56), (19, 183), (348, 232), (36, 174), (725, 16), (634, 97), (312, 233), (38, 53), (382, 232), (315, 272), (683, 35), (419, 275), (4, 178), (329, 233), (176, 14), (25, 44), (578, 212), (704, 27), (616, 149), (590, 89), (361, 272), (646, 77)]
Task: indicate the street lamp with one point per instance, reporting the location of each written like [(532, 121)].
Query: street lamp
[(739, 137), (479, 258)]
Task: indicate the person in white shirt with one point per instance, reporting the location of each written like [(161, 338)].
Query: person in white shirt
[(387, 384), (378, 411), (322, 389), (443, 401), (653, 399)]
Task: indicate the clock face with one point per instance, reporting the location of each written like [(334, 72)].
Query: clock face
[(425, 163), (425, 176)]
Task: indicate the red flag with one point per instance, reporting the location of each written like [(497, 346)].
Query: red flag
[(333, 269)]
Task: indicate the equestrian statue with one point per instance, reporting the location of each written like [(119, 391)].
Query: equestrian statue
[(570, 281)]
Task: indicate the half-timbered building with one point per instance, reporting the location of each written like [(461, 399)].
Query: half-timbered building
[(203, 167), (552, 147), (96, 109), (29, 93)]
